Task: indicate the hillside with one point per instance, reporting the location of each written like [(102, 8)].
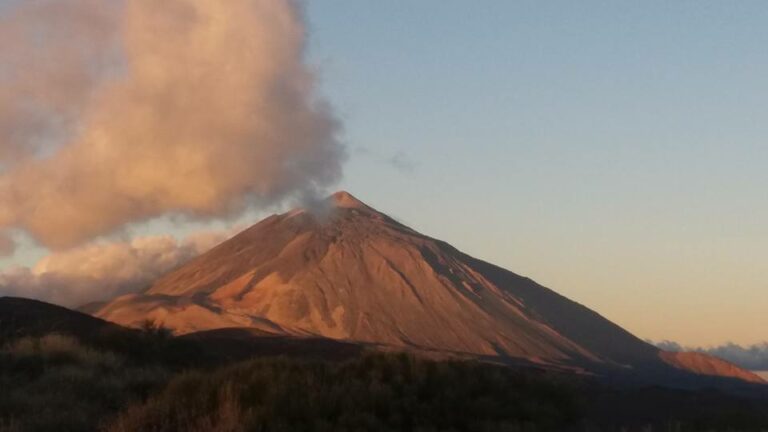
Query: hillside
[(346, 271)]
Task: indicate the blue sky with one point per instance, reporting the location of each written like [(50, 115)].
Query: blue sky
[(614, 151)]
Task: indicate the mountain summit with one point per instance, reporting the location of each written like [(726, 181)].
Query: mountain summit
[(351, 273), (344, 199)]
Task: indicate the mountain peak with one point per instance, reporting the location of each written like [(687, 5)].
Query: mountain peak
[(351, 273), (344, 199)]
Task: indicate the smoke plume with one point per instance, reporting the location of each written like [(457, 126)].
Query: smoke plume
[(100, 271), (114, 112), (753, 357), (7, 245)]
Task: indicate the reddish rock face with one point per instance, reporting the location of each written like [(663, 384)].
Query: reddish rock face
[(345, 271), (704, 364)]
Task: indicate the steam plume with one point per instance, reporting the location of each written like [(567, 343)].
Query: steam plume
[(7, 245), (140, 108), (99, 271)]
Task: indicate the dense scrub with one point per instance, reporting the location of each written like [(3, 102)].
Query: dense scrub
[(374, 393), (54, 383), (379, 392), (58, 383)]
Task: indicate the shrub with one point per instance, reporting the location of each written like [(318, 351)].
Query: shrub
[(54, 383), (374, 393), (58, 348)]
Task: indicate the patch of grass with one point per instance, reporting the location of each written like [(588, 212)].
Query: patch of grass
[(57, 348)]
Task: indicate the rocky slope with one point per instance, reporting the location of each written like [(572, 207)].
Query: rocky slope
[(346, 271), (705, 364)]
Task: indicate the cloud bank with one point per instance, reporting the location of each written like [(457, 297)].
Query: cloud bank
[(754, 357), (114, 112), (100, 271)]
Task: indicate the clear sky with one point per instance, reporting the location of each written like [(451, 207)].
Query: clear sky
[(614, 151)]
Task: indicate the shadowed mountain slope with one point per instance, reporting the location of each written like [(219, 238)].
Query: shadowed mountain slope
[(26, 317)]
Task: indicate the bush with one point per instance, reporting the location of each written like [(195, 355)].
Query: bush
[(54, 383), (151, 381), (374, 393), (56, 348)]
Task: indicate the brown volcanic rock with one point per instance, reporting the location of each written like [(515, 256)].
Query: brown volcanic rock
[(355, 274), (348, 272), (704, 364)]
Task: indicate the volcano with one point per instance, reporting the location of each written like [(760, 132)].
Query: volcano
[(346, 271)]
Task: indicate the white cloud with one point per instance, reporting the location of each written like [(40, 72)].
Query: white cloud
[(103, 270), (117, 112)]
